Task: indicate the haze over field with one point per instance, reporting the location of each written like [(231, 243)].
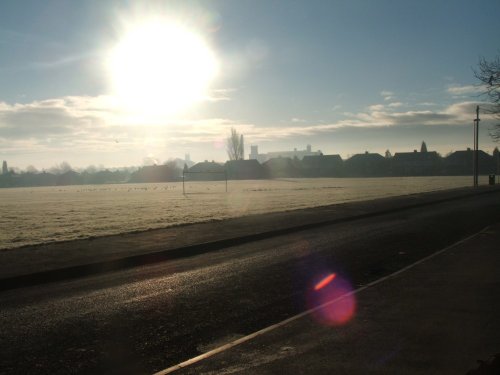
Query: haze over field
[(36, 215), (115, 83)]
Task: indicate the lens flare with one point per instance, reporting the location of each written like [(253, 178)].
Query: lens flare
[(327, 280), (333, 300)]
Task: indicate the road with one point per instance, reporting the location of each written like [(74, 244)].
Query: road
[(148, 318)]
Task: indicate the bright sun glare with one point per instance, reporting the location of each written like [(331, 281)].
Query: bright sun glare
[(160, 68)]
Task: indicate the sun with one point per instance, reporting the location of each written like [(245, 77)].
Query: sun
[(160, 68)]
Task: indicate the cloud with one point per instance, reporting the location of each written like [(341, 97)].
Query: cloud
[(54, 64), (467, 110), (56, 116), (388, 95), (384, 107), (82, 116), (455, 114), (416, 118), (376, 107), (98, 124), (93, 123), (464, 90), (220, 95)]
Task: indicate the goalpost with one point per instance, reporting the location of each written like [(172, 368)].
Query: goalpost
[(187, 173)]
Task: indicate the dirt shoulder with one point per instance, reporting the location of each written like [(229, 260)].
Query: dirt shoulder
[(59, 255)]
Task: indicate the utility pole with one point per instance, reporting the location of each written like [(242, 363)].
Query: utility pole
[(476, 148)]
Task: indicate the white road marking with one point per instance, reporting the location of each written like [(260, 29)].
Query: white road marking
[(310, 311)]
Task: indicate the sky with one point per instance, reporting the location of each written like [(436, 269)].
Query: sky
[(124, 83)]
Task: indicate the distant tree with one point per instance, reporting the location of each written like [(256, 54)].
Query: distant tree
[(65, 167), (235, 146), (488, 73), (149, 161), (388, 154), (31, 169), (173, 171), (423, 148), (61, 168), (91, 169)]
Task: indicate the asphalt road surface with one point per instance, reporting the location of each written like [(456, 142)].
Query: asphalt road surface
[(148, 318)]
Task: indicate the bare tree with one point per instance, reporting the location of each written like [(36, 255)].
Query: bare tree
[(235, 146), (488, 73)]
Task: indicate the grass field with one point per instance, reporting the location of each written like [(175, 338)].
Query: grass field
[(46, 214)]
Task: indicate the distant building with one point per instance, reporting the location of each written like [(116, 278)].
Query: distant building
[(322, 166), (366, 165), (299, 154), (282, 167), (461, 163), (206, 171), (182, 162), (5, 169), (423, 163), (244, 170), (254, 154)]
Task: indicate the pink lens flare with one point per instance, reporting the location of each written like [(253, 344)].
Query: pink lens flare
[(333, 299), (218, 144), (327, 280)]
